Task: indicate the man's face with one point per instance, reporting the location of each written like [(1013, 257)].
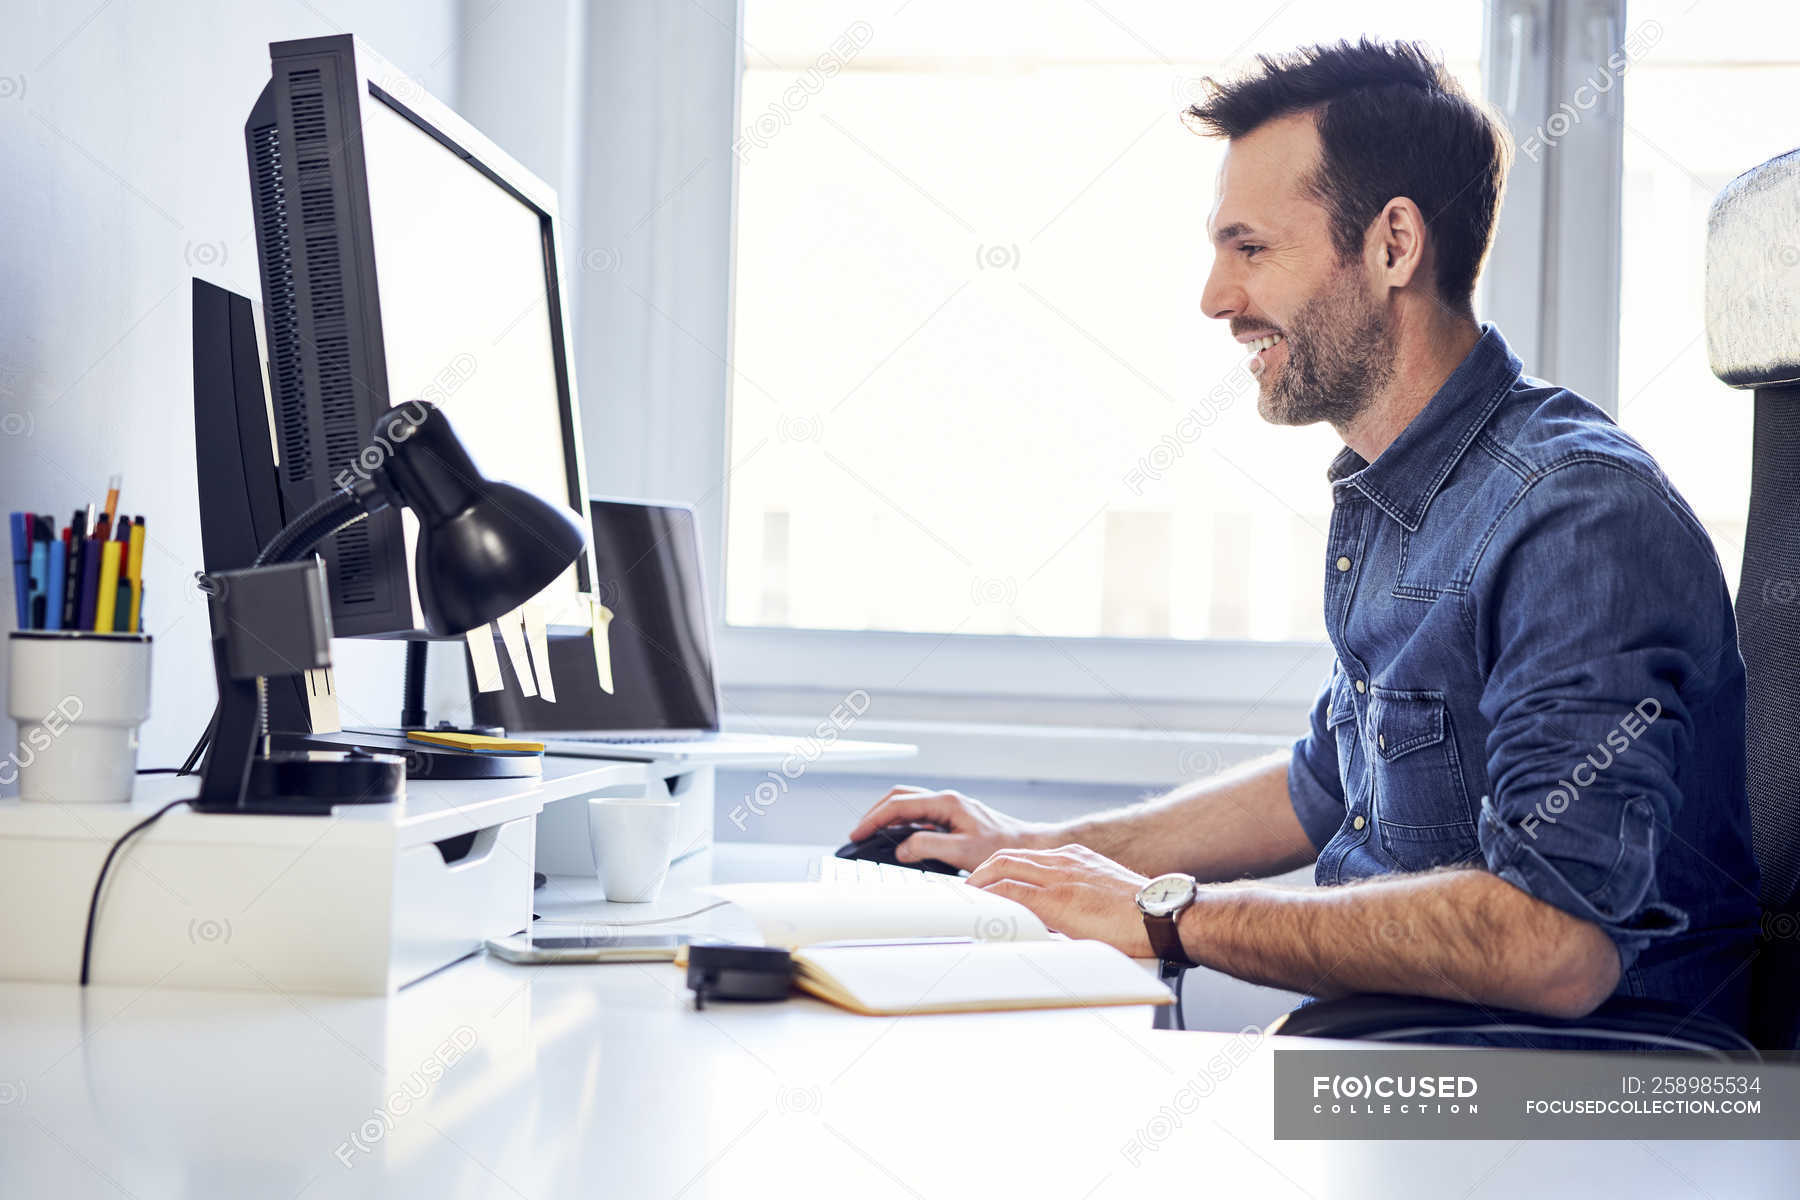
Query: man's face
[(1277, 275)]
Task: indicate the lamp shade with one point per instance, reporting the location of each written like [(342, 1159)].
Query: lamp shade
[(484, 547)]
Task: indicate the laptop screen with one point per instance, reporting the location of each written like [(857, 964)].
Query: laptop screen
[(648, 566)]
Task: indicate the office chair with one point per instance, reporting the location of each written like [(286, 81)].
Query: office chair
[(1753, 341)]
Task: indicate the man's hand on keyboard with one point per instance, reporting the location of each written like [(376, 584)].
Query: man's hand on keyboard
[(1074, 891), (975, 830)]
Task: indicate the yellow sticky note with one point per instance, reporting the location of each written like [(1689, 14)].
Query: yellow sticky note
[(474, 742)]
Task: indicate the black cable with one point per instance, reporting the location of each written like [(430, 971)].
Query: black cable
[(87, 941), (194, 755)]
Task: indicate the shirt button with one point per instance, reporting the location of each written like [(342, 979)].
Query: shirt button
[(1381, 740), (1343, 564), (1361, 686), (1358, 823)]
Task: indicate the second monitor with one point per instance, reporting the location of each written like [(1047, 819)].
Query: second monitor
[(404, 256)]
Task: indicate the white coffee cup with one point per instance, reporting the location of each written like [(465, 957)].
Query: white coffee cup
[(78, 698), (632, 840)]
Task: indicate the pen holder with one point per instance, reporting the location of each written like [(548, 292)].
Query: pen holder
[(78, 698)]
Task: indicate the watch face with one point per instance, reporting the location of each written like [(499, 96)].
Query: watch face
[(1166, 893)]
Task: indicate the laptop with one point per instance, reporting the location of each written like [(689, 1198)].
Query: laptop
[(665, 699)]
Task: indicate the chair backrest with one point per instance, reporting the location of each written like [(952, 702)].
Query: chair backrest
[(1753, 341)]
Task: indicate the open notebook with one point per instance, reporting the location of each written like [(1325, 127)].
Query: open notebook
[(942, 948)]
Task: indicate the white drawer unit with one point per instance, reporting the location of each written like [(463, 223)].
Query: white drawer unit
[(361, 902)]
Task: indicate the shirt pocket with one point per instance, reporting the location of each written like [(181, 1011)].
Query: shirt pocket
[(1420, 803), (1340, 721)]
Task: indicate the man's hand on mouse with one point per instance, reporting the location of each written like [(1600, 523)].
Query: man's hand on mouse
[(975, 831), (1074, 891)]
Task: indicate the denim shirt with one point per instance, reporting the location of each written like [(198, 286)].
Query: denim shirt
[(1537, 672)]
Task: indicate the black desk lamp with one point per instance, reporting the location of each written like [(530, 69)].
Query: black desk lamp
[(484, 548)]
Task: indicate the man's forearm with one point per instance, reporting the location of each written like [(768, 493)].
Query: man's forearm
[(1237, 825), (1463, 935)]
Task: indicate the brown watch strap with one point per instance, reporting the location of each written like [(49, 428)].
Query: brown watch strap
[(1165, 939)]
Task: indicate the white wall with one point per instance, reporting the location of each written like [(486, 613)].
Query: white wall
[(121, 131)]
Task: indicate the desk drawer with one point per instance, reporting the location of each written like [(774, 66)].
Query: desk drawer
[(451, 896)]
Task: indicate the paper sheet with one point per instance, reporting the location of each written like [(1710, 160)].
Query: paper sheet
[(484, 658), (603, 646), (512, 632), (538, 638)]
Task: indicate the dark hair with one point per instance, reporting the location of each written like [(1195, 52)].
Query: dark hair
[(1392, 122)]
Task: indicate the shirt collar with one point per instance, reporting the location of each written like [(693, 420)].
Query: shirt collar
[(1404, 477)]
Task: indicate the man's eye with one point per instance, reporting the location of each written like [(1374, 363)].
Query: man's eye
[(1249, 248)]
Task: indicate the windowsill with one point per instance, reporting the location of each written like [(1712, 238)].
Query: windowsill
[(1041, 753)]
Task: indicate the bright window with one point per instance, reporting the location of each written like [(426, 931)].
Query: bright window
[(972, 388), (1703, 104)]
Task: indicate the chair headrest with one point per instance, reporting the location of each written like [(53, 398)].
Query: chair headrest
[(1753, 276)]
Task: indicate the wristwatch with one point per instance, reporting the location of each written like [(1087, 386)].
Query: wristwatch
[(1162, 901)]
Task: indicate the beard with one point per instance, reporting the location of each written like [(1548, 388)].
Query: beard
[(1340, 354)]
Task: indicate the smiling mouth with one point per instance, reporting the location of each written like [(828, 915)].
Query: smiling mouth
[(1261, 349)]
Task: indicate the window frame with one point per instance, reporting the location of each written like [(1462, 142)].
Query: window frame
[(1551, 284)]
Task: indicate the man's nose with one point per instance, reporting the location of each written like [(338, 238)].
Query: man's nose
[(1222, 297)]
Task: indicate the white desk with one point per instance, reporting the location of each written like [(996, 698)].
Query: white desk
[(603, 1081)]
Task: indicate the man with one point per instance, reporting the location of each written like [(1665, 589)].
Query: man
[(1523, 784)]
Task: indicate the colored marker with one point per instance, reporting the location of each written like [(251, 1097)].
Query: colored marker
[(59, 564), (39, 579), (108, 598), (90, 583), (77, 535), (122, 598), (21, 555), (112, 497), (135, 569)]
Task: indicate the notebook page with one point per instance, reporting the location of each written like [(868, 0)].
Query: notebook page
[(801, 914), (976, 977)]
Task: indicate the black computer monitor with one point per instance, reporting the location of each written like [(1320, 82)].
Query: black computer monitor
[(404, 256)]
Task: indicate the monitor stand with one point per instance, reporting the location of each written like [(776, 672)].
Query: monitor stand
[(422, 761)]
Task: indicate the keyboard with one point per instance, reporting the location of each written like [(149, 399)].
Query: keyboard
[(630, 738), (830, 868)]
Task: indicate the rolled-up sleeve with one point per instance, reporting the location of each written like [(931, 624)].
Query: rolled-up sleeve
[(1581, 607), (1315, 787)]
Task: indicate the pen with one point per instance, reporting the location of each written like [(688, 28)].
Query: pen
[(59, 562), (135, 560), (77, 535), (121, 622), (21, 554), (112, 497), (106, 602), (39, 572), (90, 583)]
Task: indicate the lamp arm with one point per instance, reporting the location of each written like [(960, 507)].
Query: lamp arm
[(337, 511)]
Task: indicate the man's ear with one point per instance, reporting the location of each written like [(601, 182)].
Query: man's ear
[(1397, 243)]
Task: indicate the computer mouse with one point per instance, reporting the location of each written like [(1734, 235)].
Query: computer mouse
[(881, 845)]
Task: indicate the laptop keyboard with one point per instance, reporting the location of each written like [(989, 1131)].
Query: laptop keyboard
[(629, 738), (830, 868)]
